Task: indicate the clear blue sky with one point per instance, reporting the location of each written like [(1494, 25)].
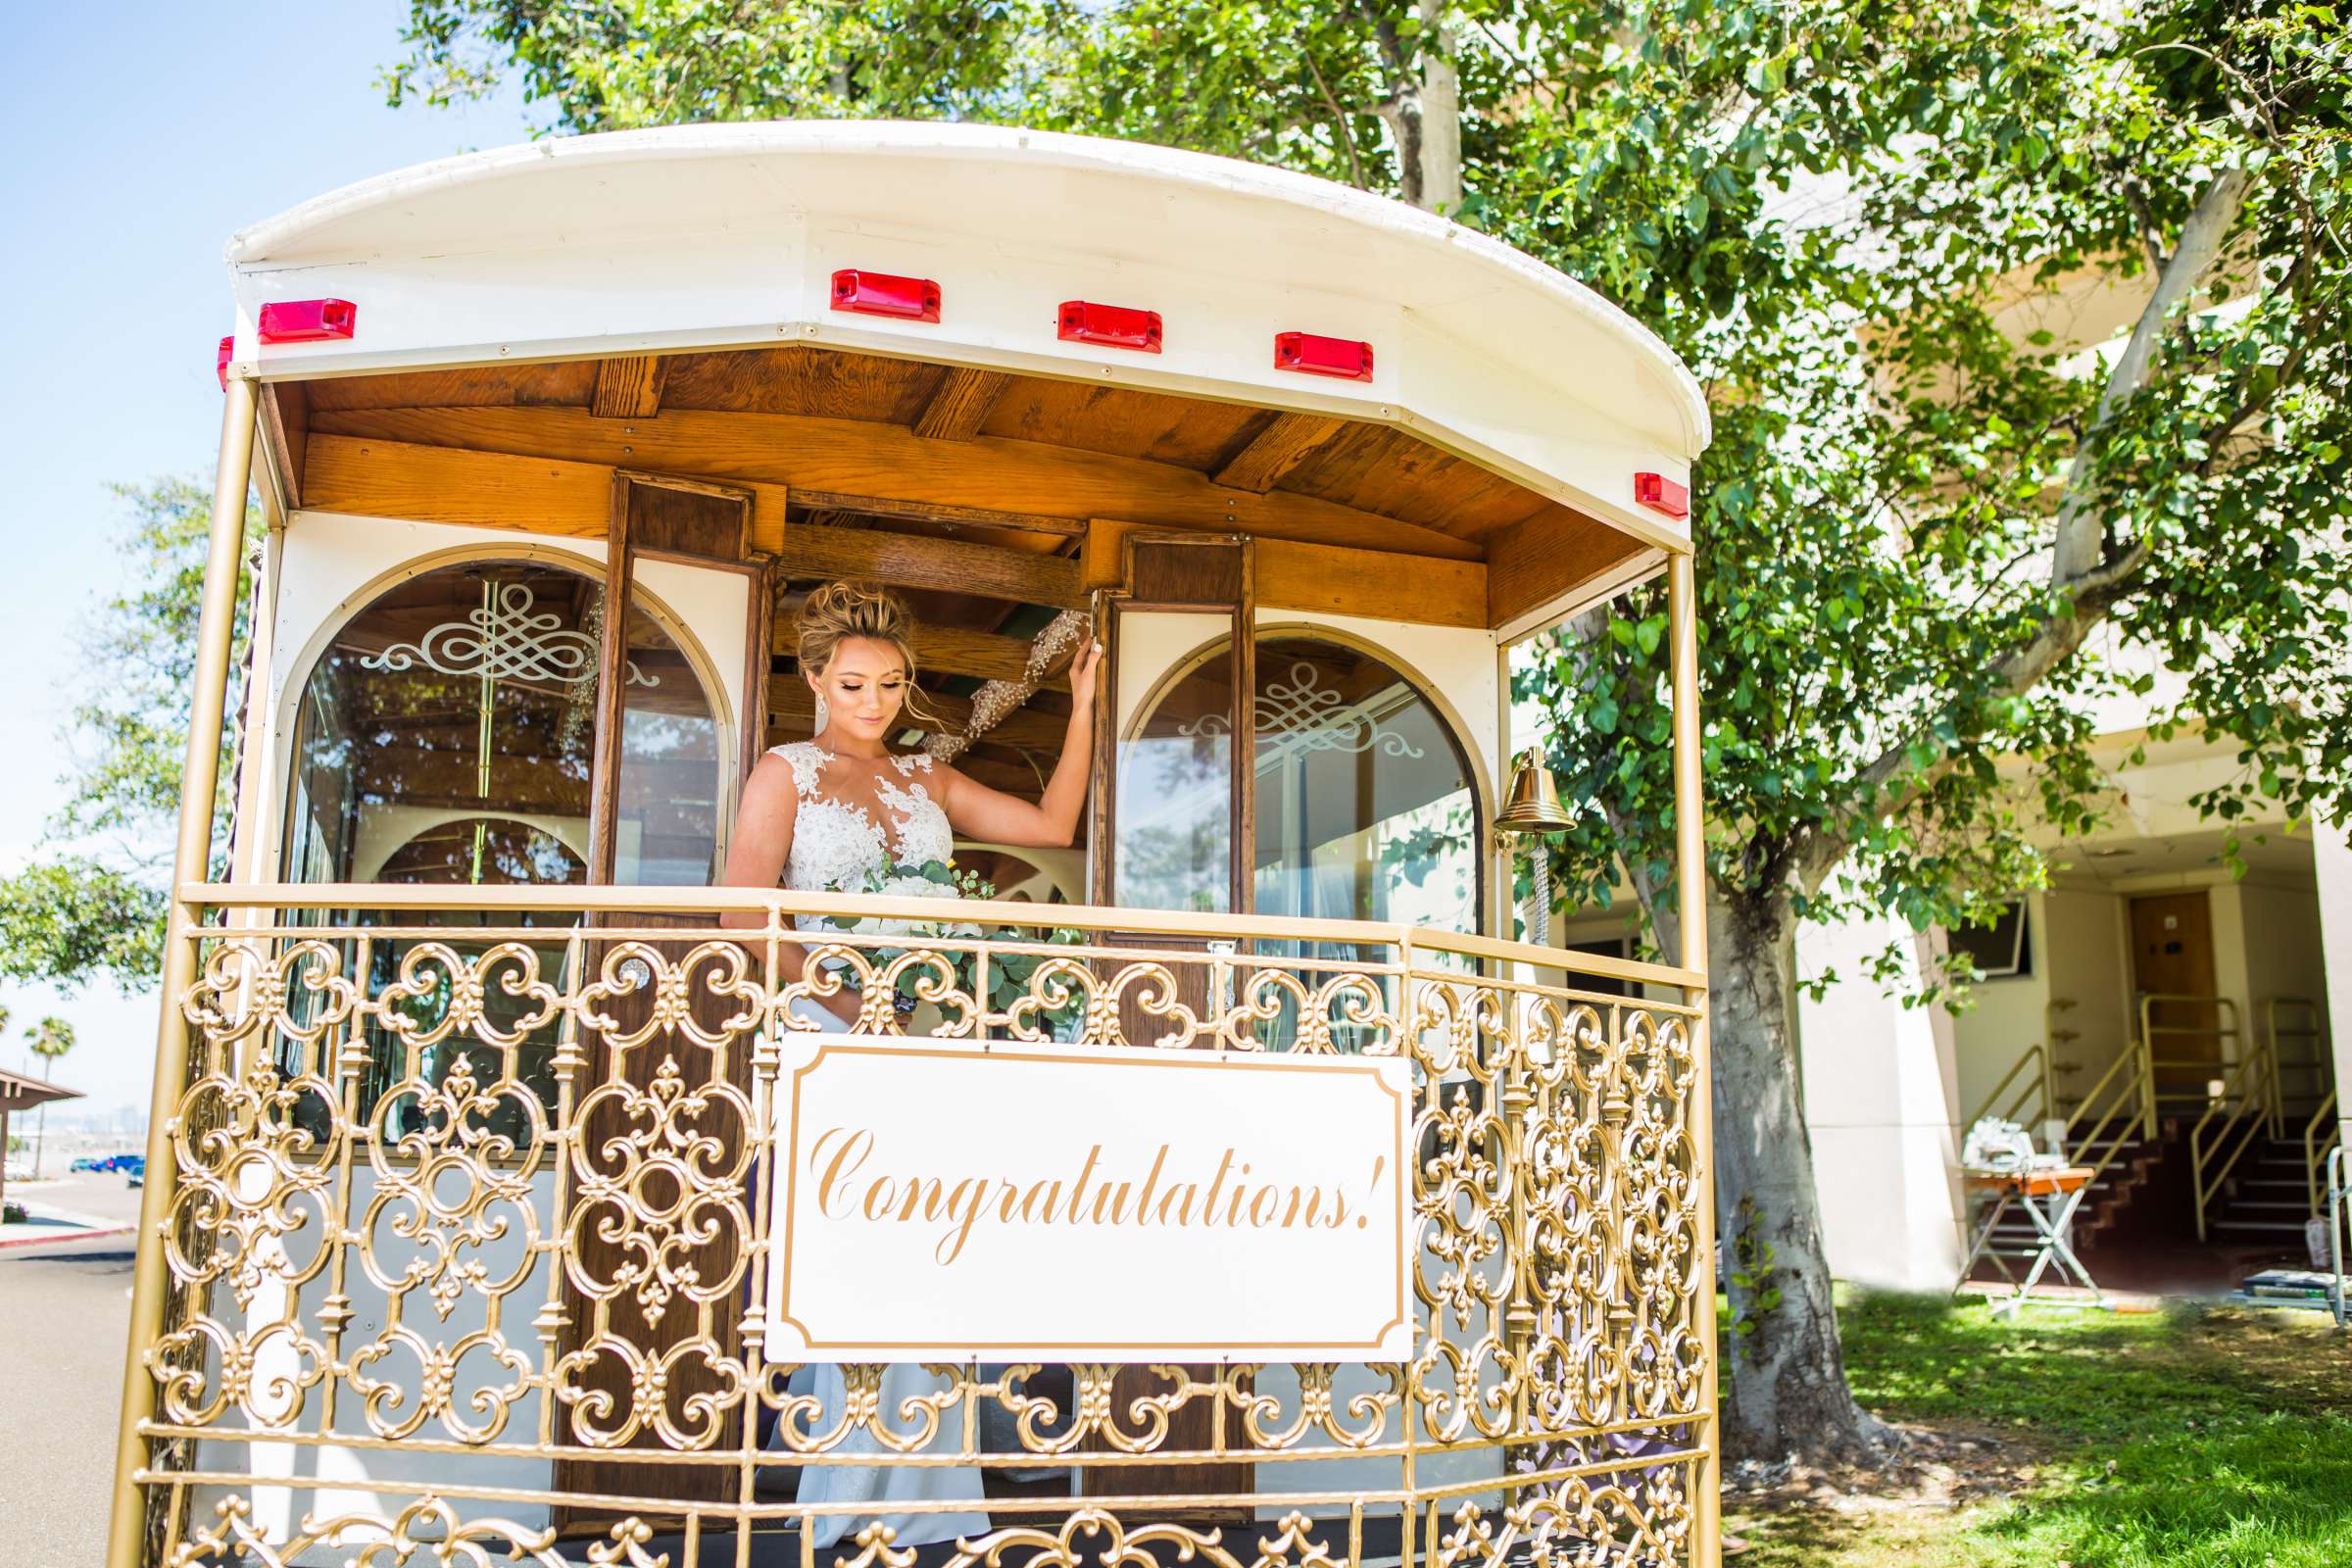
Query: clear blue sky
[(140, 136)]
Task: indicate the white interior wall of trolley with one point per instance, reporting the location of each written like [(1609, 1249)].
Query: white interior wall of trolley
[(331, 566)]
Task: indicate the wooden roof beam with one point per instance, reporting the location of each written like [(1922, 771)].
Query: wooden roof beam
[(910, 561), (484, 489), (854, 457), (962, 403), (837, 503), (1286, 441), (628, 388)]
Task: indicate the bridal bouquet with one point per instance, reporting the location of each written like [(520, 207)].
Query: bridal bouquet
[(1008, 973)]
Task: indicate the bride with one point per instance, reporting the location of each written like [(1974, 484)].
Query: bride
[(835, 813)]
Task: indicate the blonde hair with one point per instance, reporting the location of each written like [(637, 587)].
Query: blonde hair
[(840, 610)]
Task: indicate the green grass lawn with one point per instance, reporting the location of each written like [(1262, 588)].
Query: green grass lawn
[(2203, 1435)]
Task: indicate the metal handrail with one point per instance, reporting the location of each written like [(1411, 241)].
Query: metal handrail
[(2226, 1032), (2041, 1055), (2338, 1212), (2320, 1141), (2244, 1109), (2037, 1056), (2312, 1030), (2116, 1110)]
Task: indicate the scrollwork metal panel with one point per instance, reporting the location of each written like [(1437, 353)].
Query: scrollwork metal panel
[(496, 1190)]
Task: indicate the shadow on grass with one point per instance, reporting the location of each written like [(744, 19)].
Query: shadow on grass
[(2203, 1435)]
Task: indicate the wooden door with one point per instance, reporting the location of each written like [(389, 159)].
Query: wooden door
[(652, 1264), (1185, 574), (2172, 956)]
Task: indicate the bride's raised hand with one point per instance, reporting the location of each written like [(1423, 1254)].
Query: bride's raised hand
[(1084, 669)]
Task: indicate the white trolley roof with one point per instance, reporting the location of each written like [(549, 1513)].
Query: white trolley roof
[(705, 237)]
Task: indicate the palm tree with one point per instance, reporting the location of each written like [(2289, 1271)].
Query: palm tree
[(51, 1039)]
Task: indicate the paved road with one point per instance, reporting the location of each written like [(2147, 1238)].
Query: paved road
[(63, 1321)]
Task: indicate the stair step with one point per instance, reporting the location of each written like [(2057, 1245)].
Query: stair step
[(2258, 1227)]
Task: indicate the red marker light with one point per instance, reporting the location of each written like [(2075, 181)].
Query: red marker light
[(1113, 327), (229, 352), (908, 299), (1661, 494), (308, 320), (1348, 358)]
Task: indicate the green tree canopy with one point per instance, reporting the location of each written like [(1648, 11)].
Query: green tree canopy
[(91, 902), (1923, 533)]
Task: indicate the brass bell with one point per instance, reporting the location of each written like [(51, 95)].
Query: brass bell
[(1534, 803)]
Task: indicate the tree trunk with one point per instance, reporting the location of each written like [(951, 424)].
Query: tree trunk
[(1783, 1364), (1441, 117)]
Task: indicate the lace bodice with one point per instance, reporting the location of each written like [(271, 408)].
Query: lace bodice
[(838, 844)]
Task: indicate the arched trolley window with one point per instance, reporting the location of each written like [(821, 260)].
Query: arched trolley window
[(1367, 807), (446, 735)]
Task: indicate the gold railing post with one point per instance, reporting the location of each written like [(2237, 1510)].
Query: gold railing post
[(1691, 889), (200, 779)]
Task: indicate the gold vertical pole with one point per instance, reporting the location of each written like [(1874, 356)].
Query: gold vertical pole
[(200, 777), (1691, 887)]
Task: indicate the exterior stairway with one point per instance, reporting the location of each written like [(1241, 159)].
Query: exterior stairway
[(2267, 1200), (2118, 1190)]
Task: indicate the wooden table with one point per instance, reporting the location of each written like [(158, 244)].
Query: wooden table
[(2049, 1197)]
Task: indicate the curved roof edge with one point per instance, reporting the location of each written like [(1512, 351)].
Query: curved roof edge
[(312, 227)]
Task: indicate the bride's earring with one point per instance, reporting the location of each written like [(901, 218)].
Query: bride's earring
[(820, 713)]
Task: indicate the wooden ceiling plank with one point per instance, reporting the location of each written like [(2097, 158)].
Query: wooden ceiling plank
[(286, 416), (1534, 562), (850, 457), (904, 560), (1378, 584), (570, 383), (798, 379), (960, 406), (833, 501), (1370, 582), (628, 388), (1165, 427), (1281, 446)]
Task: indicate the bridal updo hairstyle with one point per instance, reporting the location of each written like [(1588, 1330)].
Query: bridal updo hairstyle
[(840, 610)]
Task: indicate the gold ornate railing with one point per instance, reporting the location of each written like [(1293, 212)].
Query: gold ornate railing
[(463, 1213)]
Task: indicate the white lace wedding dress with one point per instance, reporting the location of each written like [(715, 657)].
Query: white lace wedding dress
[(840, 843)]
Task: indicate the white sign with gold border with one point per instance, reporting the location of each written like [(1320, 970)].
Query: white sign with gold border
[(949, 1201)]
